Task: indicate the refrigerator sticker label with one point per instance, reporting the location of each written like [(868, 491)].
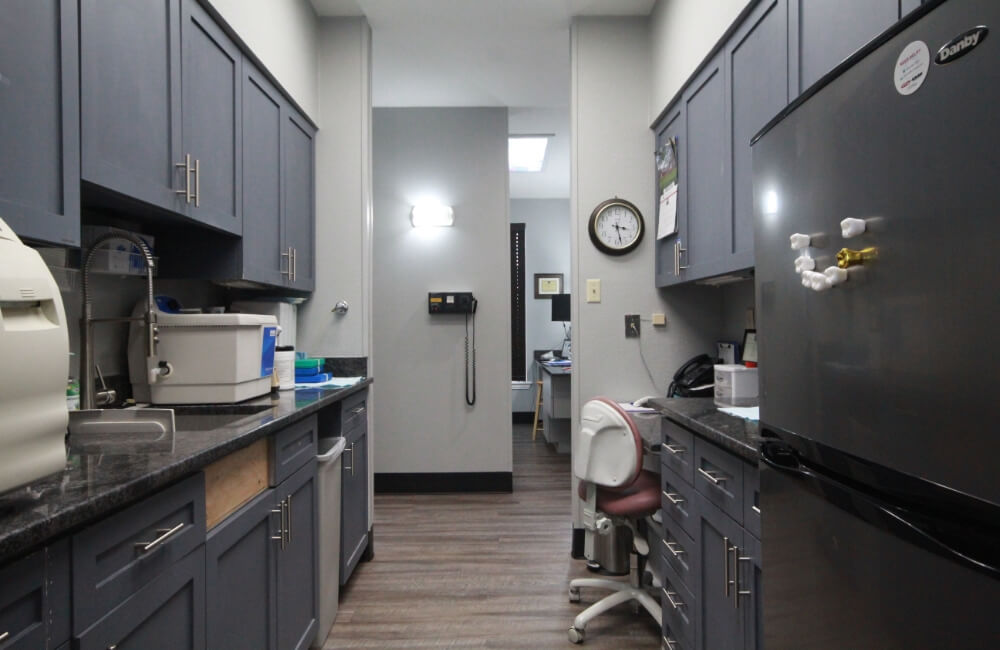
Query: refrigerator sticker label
[(911, 68), (961, 45)]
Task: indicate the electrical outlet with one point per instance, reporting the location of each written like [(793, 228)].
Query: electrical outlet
[(631, 326), (659, 320), (593, 290)]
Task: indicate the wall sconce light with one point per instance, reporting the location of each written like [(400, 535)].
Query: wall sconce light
[(432, 215)]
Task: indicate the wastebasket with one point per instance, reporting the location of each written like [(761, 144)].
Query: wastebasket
[(328, 475), (611, 552)]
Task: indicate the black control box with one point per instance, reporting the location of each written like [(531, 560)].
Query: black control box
[(455, 302)]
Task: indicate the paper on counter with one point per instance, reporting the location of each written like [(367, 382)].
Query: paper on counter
[(628, 407), (336, 382), (745, 412)]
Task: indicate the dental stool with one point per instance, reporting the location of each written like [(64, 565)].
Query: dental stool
[(615, 491)]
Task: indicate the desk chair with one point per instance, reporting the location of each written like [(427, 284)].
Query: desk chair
[(615, 491)]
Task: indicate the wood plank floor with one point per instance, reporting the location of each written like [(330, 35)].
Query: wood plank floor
[(480, 570)]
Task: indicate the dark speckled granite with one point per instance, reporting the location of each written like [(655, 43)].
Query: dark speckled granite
[(346, 366), (98, 482), (699, 414)]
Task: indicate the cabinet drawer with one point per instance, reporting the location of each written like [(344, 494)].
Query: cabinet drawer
[(670, 640), (680, 609), (34, 600), (682, 553), (353, 412), (677, 500), (293, 447), (117, 556), (168, 612), (719, 476), (751, 499), (678, 449)]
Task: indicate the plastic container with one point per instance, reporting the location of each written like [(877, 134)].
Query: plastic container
[(284, 366), (328, 474), (735, 385)]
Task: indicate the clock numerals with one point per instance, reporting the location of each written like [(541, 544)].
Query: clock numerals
[(616, 227)]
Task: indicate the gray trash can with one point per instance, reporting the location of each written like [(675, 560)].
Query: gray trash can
[(328, 475)]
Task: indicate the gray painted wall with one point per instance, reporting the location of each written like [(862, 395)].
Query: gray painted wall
[(546, 250), (343, 195), (736, 299), (458, 156), (612, 156)]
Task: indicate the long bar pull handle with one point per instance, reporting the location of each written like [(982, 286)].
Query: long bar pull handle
[(295, 264), (725, 563), (280, 537), (4, 636), (736, 566), (676, 450), (289, 506), (676, 552), (755, 509), (735, 550), (680, 251), (165, 534), (716, 480), (197, 183), (670, 643), (676, 604), (186, 165), (288, 267), (677, 258), (353, 464), (358, 410), (673, 498)]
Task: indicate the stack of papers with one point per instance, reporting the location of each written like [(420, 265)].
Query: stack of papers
[(335, 382)]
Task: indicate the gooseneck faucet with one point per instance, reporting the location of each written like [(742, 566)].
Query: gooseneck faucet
[(88, 398)]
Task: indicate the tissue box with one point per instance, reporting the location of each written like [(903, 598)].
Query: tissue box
[(735, 385), (122, 257)]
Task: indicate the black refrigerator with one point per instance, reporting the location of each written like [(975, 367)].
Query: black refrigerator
[(877, 244)]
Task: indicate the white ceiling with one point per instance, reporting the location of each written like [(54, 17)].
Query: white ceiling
[(512, 53)]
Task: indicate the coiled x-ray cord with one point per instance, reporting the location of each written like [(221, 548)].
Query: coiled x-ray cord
[(470, 400)]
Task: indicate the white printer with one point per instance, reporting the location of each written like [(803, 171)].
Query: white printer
[(203, 358), (34, 360)]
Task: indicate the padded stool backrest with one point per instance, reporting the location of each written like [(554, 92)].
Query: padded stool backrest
[(608, 450)]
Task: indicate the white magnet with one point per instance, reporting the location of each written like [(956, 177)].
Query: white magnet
[(804, 263), (799, 241), (817, 281), (835, 275), (852, 227), (805, 280)]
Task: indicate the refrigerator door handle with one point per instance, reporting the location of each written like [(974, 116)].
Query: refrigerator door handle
[(898, 520)]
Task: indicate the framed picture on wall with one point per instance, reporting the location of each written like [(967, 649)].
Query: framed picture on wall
[(548, 284)]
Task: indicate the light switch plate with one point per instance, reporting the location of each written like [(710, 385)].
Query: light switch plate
[(593, 290)]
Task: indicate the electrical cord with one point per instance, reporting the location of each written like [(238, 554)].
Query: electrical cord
[(646, 366), (471, 401)]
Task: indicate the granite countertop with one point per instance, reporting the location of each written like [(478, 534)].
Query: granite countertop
[(112, 475), (699, 414)]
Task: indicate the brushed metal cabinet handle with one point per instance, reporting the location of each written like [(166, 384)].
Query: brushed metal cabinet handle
[(673, 498), (677, 258), (197, 183), (295, 264), (670, 643), (289, 519), (358, 410), (680, 251), (676, 604), (186, 165), (755, 509), (676, 552), (676, 450), (4, 636), (725, 562), (716, 480), (280, 537), (164, 535), (740, 592)]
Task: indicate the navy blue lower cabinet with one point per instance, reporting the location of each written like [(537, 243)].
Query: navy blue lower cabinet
[(298, 586), (166, 614), (34, 600), (353, 503), (241, 556)]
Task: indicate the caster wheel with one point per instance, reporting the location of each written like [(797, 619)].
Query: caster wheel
[(574, 595), (575, 635)]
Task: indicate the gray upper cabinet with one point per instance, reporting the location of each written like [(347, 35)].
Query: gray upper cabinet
[(299, 197), (130, 80), (262, 187), (212, 80), (707, 147), (40, 125), (757, 59), (825, 32)]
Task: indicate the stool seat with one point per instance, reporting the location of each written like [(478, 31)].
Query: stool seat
[(640, 499)]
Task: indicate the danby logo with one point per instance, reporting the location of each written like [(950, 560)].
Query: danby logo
[(961, 45)]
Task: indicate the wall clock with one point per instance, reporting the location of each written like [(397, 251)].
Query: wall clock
[(616, 226)]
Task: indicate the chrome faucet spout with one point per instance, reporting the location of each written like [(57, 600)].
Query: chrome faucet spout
[(87, 392)]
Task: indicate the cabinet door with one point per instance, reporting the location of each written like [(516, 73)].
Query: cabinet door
[(825, 32), (708, 215), (721, 621), (40, 128), (240, 571), (749, 579), (757, 57), (130, 63), (166, 614), (298, 588), (262, 119), (668, 252), (353, 506), (212, 79), (299, 213), (23, 603)]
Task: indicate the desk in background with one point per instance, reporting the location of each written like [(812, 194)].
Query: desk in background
[(556, 406)]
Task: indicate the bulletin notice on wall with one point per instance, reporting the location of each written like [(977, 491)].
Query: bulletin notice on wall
[(666, 171)]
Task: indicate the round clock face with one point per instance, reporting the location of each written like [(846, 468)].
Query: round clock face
[(616, 227)]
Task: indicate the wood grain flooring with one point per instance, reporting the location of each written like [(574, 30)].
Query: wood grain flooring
[(480, 570)]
